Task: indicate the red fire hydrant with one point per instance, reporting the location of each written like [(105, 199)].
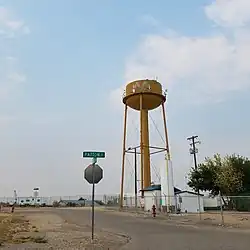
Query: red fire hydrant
[(154, 211)]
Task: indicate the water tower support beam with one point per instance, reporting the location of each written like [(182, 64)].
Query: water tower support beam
[(167, 157), (141, 145), (165, 130), (145, 156), (123, 155)]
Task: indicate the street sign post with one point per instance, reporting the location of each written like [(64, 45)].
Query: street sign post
[(94, 160), (93, 174)]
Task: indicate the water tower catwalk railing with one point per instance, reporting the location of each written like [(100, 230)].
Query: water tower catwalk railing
[(143, 96)]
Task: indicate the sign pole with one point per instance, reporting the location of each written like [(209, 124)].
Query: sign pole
[(93, 198), (93, 174)]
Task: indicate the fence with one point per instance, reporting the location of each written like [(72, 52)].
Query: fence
[(230, 210), (112, 200), (218, 210), (231, 203)]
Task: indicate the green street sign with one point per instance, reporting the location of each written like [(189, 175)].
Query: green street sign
[(91, 154)]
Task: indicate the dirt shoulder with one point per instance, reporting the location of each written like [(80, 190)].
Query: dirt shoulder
[(228, 220), (45, 230), (235, 220)]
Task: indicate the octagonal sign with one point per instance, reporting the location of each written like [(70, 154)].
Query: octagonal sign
[(93, 174)]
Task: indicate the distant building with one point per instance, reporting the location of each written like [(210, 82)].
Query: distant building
[(187, 202), (31, 201), (182, 201), (80, 203)]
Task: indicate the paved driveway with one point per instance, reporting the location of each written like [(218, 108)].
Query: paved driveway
[(147, 234)]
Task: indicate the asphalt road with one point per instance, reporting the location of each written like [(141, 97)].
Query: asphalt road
[(147, 234)]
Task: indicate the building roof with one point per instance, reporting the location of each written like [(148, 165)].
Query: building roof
[(188, 192), (83, 201), (152, 188), (176, 190), (73, 201), (158, 187)]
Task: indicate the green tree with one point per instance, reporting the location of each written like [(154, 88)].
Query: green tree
[(242, 164), (230, 175), (204, 178)]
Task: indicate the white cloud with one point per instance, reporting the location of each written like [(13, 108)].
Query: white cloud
[(16, 77), (149, 20), (10, 74), (11, 59), (6, 120), (26, 30), (14, 25), (9, 24), (229, 13), (198, 68)]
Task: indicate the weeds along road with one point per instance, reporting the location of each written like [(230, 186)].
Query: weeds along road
[(147, 234)]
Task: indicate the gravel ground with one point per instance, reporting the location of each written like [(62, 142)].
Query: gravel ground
[(57, 233), (69, 229), (147, 233)]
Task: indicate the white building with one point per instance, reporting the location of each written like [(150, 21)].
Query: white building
[(29, 201), (184, 201), (211, 202), (152, 196), (188, 202)]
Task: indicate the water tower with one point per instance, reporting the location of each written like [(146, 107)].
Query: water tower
[(143, 96), (35, 194)]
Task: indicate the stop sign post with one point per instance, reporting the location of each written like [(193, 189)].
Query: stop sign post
[(93, 174)]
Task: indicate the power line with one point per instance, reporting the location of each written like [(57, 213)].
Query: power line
[(153, 166), (156, 127), (130, 175), (130, 134)]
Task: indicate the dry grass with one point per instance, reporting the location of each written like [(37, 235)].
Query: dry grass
[(17, 229), (11, 225), (241, 220)]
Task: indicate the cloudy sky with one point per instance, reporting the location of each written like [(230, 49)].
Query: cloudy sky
[(63, 67)]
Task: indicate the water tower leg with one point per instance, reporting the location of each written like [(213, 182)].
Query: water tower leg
[(141, 145), (145, 150), (123, 154), (145, 153)]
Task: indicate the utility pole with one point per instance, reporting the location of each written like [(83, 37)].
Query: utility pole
[(193, 151)]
